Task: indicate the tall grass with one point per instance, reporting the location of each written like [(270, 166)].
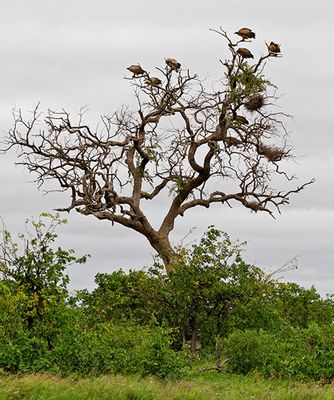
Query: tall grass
[(207, 386)]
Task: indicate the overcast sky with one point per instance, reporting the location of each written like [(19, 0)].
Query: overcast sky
[(74, 53)]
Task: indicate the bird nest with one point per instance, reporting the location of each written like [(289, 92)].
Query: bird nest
[(271, 153), (254, 102)]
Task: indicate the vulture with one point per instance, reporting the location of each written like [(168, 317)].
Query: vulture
[(153, 81), (244, 53), (273, 48), (173, 64), (240, 119), (246, 33), (136, 70)]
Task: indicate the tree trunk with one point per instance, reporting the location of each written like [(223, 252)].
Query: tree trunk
[(218, 352), (193, 343), (165, 251)]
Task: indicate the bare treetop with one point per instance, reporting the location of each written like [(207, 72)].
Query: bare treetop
[(190, 145)]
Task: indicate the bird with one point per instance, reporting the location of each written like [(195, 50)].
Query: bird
[(240, 119), (273, 48), (136, 69), (245, 33), (153, 81), (173, 64), (244, 53)]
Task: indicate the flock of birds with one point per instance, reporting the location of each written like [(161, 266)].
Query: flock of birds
[(137, 70), (245, 33)]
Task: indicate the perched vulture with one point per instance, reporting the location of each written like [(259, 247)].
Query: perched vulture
[(273, 48), (246, 33), (136, 70), (240, 119), (153, 81), (173, 64), (244, 53)]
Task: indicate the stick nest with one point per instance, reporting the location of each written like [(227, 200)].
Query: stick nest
[(254, 102), (273, 154)]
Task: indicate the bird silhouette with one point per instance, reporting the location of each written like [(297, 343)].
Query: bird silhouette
[(153, 81), (273, 48), (244, 53), (136, 69), (245, 33), (173, 64)]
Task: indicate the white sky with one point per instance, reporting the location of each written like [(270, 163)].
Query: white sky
[(73, 53)]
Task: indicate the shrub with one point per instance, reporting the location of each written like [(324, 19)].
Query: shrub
[(292, 352), (122, 348), (160, 359), (249, 350)]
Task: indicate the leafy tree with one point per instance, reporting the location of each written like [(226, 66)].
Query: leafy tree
[(188, 139), (34, 283), (208, 281)]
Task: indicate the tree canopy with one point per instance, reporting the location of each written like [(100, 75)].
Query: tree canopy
[(189, 143)]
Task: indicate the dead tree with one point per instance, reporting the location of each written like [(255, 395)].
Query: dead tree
[(187, 144)]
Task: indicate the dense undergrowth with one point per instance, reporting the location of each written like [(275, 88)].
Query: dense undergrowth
[(214, 310)]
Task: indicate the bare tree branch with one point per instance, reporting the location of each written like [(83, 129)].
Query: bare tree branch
[(186, 143)]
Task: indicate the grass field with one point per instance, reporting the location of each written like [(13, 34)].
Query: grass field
[(207, 386)]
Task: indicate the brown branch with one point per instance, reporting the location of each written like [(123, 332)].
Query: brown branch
[(184, 136), (219, 367)]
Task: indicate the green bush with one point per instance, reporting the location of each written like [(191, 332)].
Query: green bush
[(122, 348), (24, 354), (292, 352), (317, 353), (160, 359), (105, 349), (249, 350)]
